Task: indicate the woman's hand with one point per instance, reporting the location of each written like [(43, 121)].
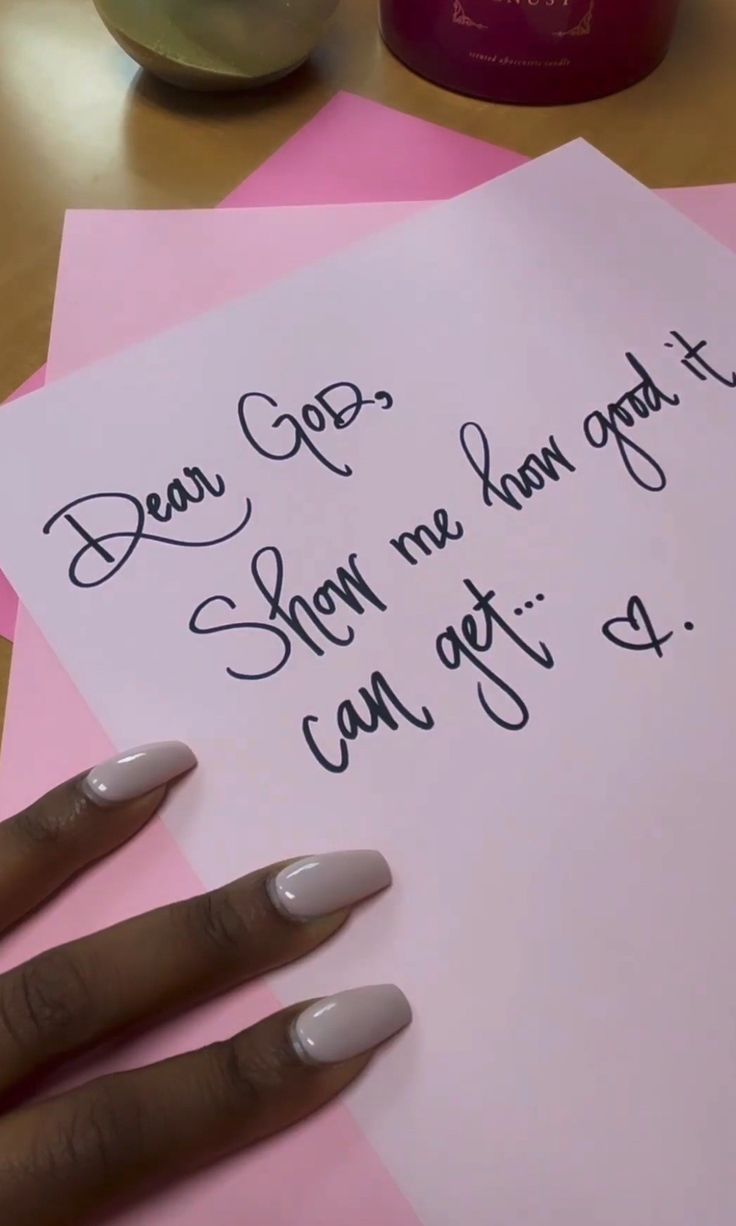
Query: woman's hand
[(72, 1157)]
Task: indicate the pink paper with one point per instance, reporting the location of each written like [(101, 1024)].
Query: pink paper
[(198, 256), (712, 208), (44, 707), (538, 1124), (8, 598), (402, 158), (332, 1172), (356, 150), (345, 1179)]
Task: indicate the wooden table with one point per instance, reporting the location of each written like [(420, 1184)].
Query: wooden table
[(79, 127)]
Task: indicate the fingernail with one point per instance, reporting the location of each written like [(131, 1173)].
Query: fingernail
[(349, 1024), (319, 885), (138, 771)]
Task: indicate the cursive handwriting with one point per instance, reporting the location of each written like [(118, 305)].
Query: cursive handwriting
[(531, 476), (624, 414), (382, 708), (635, 631), (300, 618), (306, 617), (181, 493), (338, 406), (427, 540), (475, 638), (271, 642), (697, 364)]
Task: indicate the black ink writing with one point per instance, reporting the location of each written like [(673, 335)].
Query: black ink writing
[(295, 618), (108, 527), (529, 604), (624, 414), (179, 496), (98, 552), (635, 631), (475, 638), (336, 406), (511, 488), (427, 540), (698, 365), (305, 617), (266, 638), (380, 708)]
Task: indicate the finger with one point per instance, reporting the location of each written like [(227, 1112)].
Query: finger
[(80, 821), (80, 1155), (71, 997)]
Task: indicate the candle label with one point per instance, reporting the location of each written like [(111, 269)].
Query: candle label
[(558, 18)]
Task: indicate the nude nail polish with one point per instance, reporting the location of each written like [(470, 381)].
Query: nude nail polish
[(137, 771), (319, 885), (354, 1022)]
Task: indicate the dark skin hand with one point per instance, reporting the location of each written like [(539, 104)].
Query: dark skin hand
[(76, 1157)]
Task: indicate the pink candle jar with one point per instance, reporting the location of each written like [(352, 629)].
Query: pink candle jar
[(530, 51)]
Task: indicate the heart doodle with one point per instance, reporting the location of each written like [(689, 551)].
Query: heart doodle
[(635, 631)]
